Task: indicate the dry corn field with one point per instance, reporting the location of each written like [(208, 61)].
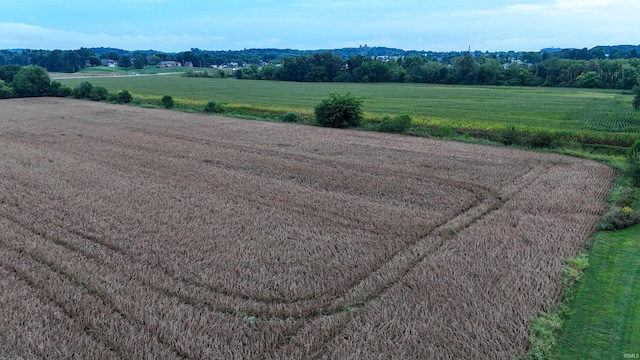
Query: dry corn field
[(149, 234)]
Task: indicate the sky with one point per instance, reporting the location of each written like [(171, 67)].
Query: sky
[(435, 25)]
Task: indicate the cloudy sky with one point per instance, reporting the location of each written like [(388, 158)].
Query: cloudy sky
[(439, 25)]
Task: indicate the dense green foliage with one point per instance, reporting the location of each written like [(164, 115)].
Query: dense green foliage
[(167, 102), (6, 92), (600, 67), (633, 170), (60, 90), (636, 99), (124, 97), (290, 117), (7, 72), (398, 124), (99, 93), (214, 107), (82, 91), (31, 80), (339, 111)]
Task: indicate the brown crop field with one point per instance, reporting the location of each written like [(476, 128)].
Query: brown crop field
[(150, 234)]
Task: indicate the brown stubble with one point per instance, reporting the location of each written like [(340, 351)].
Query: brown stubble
[(206, 237)]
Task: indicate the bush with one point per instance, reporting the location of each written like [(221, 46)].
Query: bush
[(541, 139), (399, 124), (290, 117), (633, 171), (99, 93), (512, 137), (443, 131), (6, 92), (124, 97), (82, 91), (339, 111), (214, 107), (31, 80), (167, 102), (620, 218), (59, 90)]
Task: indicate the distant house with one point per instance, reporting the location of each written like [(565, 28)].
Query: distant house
[(188, 64), (108, 62), (165, 64)]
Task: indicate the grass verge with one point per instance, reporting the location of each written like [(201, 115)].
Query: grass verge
[(603, 320)]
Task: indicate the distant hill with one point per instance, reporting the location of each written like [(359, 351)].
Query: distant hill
[(102, 50)]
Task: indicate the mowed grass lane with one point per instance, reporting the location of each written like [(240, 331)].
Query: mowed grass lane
[(477, 107), (604, 321)]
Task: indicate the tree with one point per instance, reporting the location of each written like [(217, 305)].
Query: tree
[(125, 61), (465, 69), (588, 80), (636, 99), (31, 80), (7, 72), (138, 62), (339, 111)]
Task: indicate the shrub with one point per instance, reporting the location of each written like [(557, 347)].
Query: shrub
[(31, 80), (620, 218), (398, 124), (167, 102), (60, 90), (290, 117), (541, 139), (633, 171), (512, 137), (6, 92), (124, 97), (443, 131), (339, 111), (215, 107), (82, 91), (99, 93)]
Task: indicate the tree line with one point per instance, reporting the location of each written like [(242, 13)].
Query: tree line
[(616, 67), (465, 69)]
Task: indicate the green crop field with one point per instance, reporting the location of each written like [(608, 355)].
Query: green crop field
[(477, 107)]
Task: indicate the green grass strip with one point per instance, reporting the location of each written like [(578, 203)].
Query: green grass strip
[(604, 314)]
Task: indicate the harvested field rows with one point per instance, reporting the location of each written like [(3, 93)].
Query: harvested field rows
[(140, 233)]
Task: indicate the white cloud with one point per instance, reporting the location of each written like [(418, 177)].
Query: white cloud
[(19, 35), (583, 4)]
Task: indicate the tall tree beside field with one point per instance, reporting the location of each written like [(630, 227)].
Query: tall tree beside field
[(31, 80), (636, 99), (465, 69), (125, 61)]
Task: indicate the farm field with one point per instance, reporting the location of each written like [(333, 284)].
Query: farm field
[(474, 107), (143, 233)]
